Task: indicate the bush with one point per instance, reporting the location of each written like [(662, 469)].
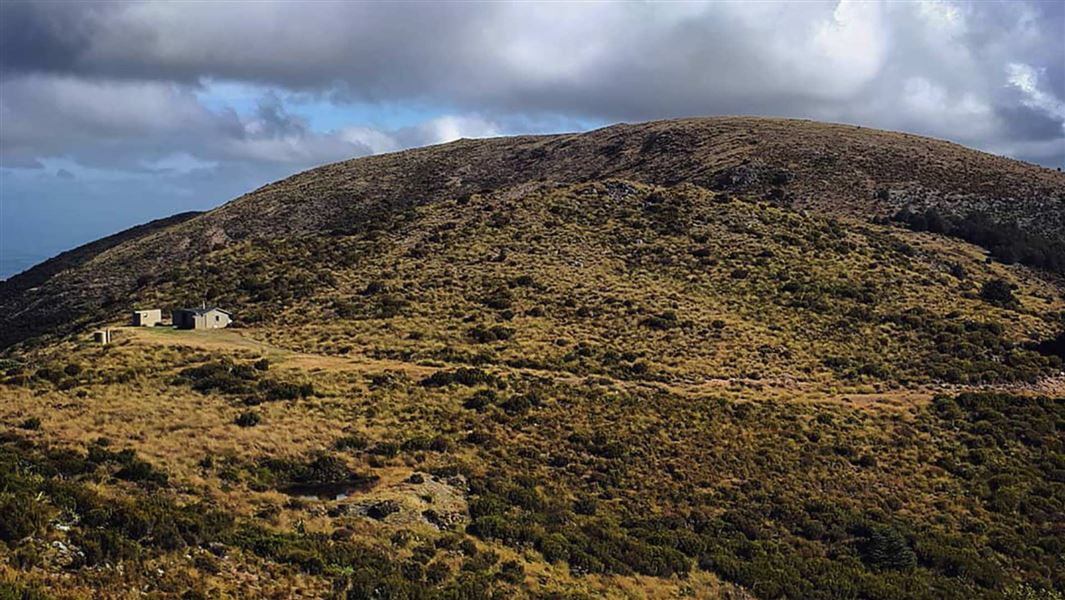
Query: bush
[(437, 572), (386, 449), (143, 472), (281, 390), (481, 400), (352, 441), (32, 423), (485, 335), (222, 376), (499, 298), (21, 516), (516, 405), (998, 292), (49, 374), (320, 468), (248, 419), (382, 509), (390, 305), (105, 546), (661, 321), (885, 548), (17, 591), (511, 572), (463, 376), (1005, 241)]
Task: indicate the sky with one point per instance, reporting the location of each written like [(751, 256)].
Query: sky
[(116, 113)]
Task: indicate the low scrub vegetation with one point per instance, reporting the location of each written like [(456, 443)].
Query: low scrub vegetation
[(784, 531), (561, 393), (43, 488), (246, 379), (1006, 242)]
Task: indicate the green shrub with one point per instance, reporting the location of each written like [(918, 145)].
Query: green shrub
[(380, 510), (352, 441), (31, 423), (998, 292), (884, 547), (499, 298), (437, 572), (17, 591), (512, 572), (221, 376), (21, 515), (516, 405), (104, 546), (248, 419), (281, 390), (462, 376), (386, 449), (143, 472), (662, 321), (485, 335)]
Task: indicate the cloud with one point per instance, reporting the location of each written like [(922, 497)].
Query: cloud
[(929, 67), (1026, 79), (142, 122), (209, 98)]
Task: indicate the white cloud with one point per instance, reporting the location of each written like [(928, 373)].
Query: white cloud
[(848, 51), (159, 126), (1026, 79), (930, 67), (452, 127), (178, 162), (376, 140)]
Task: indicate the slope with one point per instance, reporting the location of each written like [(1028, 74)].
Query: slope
[(463, 372), (833, 169)]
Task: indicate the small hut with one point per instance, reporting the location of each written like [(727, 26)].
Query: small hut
[(201, 318), (147, 318)]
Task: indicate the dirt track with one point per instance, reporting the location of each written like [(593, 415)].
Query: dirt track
[(242, 340), (235, 339)]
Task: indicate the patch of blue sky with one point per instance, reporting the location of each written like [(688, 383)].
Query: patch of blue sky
[(324, 115), (323, 112)]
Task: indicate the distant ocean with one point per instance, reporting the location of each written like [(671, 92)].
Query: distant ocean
[(13, 262)]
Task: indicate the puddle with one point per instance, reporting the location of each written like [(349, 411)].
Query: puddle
[(329, 491)]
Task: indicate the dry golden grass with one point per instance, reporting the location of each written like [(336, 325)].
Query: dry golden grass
[(710, 359)]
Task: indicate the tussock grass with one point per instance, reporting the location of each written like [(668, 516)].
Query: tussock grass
[(623, 389)]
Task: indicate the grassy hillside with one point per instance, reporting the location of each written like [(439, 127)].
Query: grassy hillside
[(72, 259), (636, 282), (828, 169), (616, 365)]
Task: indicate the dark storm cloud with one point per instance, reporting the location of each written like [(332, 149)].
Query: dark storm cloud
[(383, 50), (39, 37)]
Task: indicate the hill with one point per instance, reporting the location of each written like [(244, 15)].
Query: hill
[(829, 169), (72, 259), (718, 358)]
